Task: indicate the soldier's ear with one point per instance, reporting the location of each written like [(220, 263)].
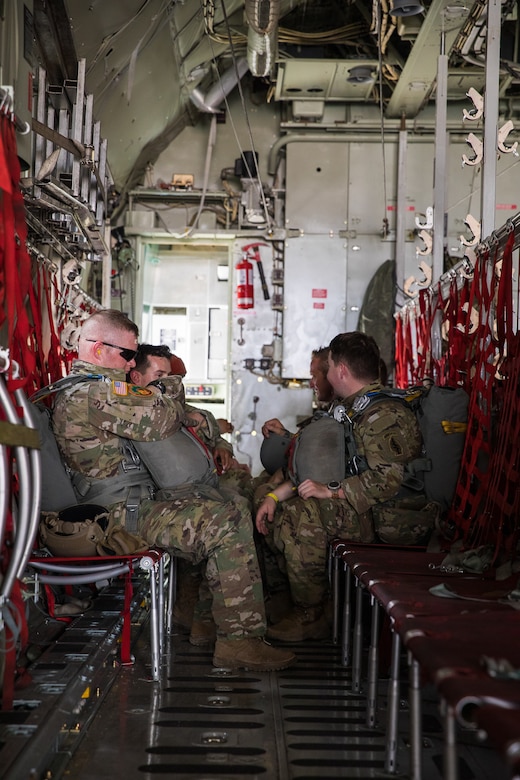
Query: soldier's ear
[(134, 376)]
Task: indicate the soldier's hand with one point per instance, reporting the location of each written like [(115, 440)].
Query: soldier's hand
[(274, 426), (224, 458), (311, 489), (225, 426), (265, 515)]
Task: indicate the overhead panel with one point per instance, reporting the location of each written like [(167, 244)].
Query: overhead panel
[(325, 80), (459, 82), (420, 71)]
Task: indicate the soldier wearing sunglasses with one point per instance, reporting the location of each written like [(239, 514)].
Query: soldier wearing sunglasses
[(93, 419)]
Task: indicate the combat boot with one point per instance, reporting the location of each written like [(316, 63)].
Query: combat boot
[(203, 633), (254, 653), (301, 623)]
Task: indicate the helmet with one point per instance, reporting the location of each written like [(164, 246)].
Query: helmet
[(177, 365), (274, 451), (75, 531)]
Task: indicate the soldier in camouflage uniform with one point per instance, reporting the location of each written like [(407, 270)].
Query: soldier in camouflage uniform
[(359, 507), (192, 609), (91, 419), (154, 363)]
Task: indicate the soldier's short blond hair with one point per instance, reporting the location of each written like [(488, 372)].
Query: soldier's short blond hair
[(108, 320)]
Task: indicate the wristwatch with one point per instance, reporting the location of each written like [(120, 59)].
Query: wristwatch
[(335, 487)]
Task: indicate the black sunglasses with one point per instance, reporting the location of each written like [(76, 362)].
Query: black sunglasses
[(126, 354)]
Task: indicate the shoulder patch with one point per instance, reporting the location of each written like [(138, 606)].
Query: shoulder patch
[(119, 388), (140, 391)]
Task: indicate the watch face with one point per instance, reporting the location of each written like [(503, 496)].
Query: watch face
[(334, 485)]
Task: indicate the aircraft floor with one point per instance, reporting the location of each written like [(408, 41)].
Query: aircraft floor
[(299, 724), (82, 716)]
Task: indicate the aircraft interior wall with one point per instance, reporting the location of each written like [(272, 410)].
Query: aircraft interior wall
[(338, 203), (244, 233)]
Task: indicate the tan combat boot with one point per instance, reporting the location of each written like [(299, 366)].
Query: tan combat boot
[(301, 623), (254, 653), (203, 633)]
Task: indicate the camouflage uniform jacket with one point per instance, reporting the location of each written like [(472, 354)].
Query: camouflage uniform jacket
[(210, 433), (90, 418), (388, 437)]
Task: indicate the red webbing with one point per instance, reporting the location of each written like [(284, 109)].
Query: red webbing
[(485, 508), (472, 481), (502, 505), (399, 350), (423, 329), (15, 261), (404, 350), (55, 363)]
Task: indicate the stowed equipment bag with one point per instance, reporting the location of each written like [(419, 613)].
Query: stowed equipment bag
[(74, 531), (84, 530)]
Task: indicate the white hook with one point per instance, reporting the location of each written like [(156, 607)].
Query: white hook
[(429, 219), (474, 226), (502, 135), (478, 102), (428, 274), (428, 240), (476, 145)]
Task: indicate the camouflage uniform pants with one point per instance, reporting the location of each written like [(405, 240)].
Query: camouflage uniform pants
[(238, 486), (301, 531), (220, 533), (241, 482)]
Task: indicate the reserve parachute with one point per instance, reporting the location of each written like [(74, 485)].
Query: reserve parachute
[(325, 449)]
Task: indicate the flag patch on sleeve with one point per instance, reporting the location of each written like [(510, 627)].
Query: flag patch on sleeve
[(120, 388)]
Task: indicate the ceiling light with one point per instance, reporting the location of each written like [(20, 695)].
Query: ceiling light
[(406, 8), (360, 74)]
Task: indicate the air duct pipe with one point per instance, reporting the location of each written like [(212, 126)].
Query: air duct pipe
[(262, 15), (219, 91), (261, 52)]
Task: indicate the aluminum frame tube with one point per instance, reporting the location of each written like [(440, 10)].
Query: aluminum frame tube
[(489, 167), (21, 526), (441, 146), (35, 486), (400, 243)]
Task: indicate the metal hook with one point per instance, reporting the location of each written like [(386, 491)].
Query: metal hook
[(474, 226), (428, 273), (429, 219), (428, 240), (476, 145), (478, 102), (467, 268), (502, 135)]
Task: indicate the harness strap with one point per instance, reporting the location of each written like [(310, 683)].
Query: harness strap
[(133, 500)]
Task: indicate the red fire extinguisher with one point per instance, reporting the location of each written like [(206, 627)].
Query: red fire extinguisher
[(245, 289)]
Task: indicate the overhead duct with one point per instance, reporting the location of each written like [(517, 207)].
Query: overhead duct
[(221, 89), (261, 52), (262, 38), (262, 15)]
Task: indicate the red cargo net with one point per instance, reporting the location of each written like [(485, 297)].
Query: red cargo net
[(468, 339)]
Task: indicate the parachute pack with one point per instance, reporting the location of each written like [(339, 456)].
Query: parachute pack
[(73, 507), (325, 449)]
